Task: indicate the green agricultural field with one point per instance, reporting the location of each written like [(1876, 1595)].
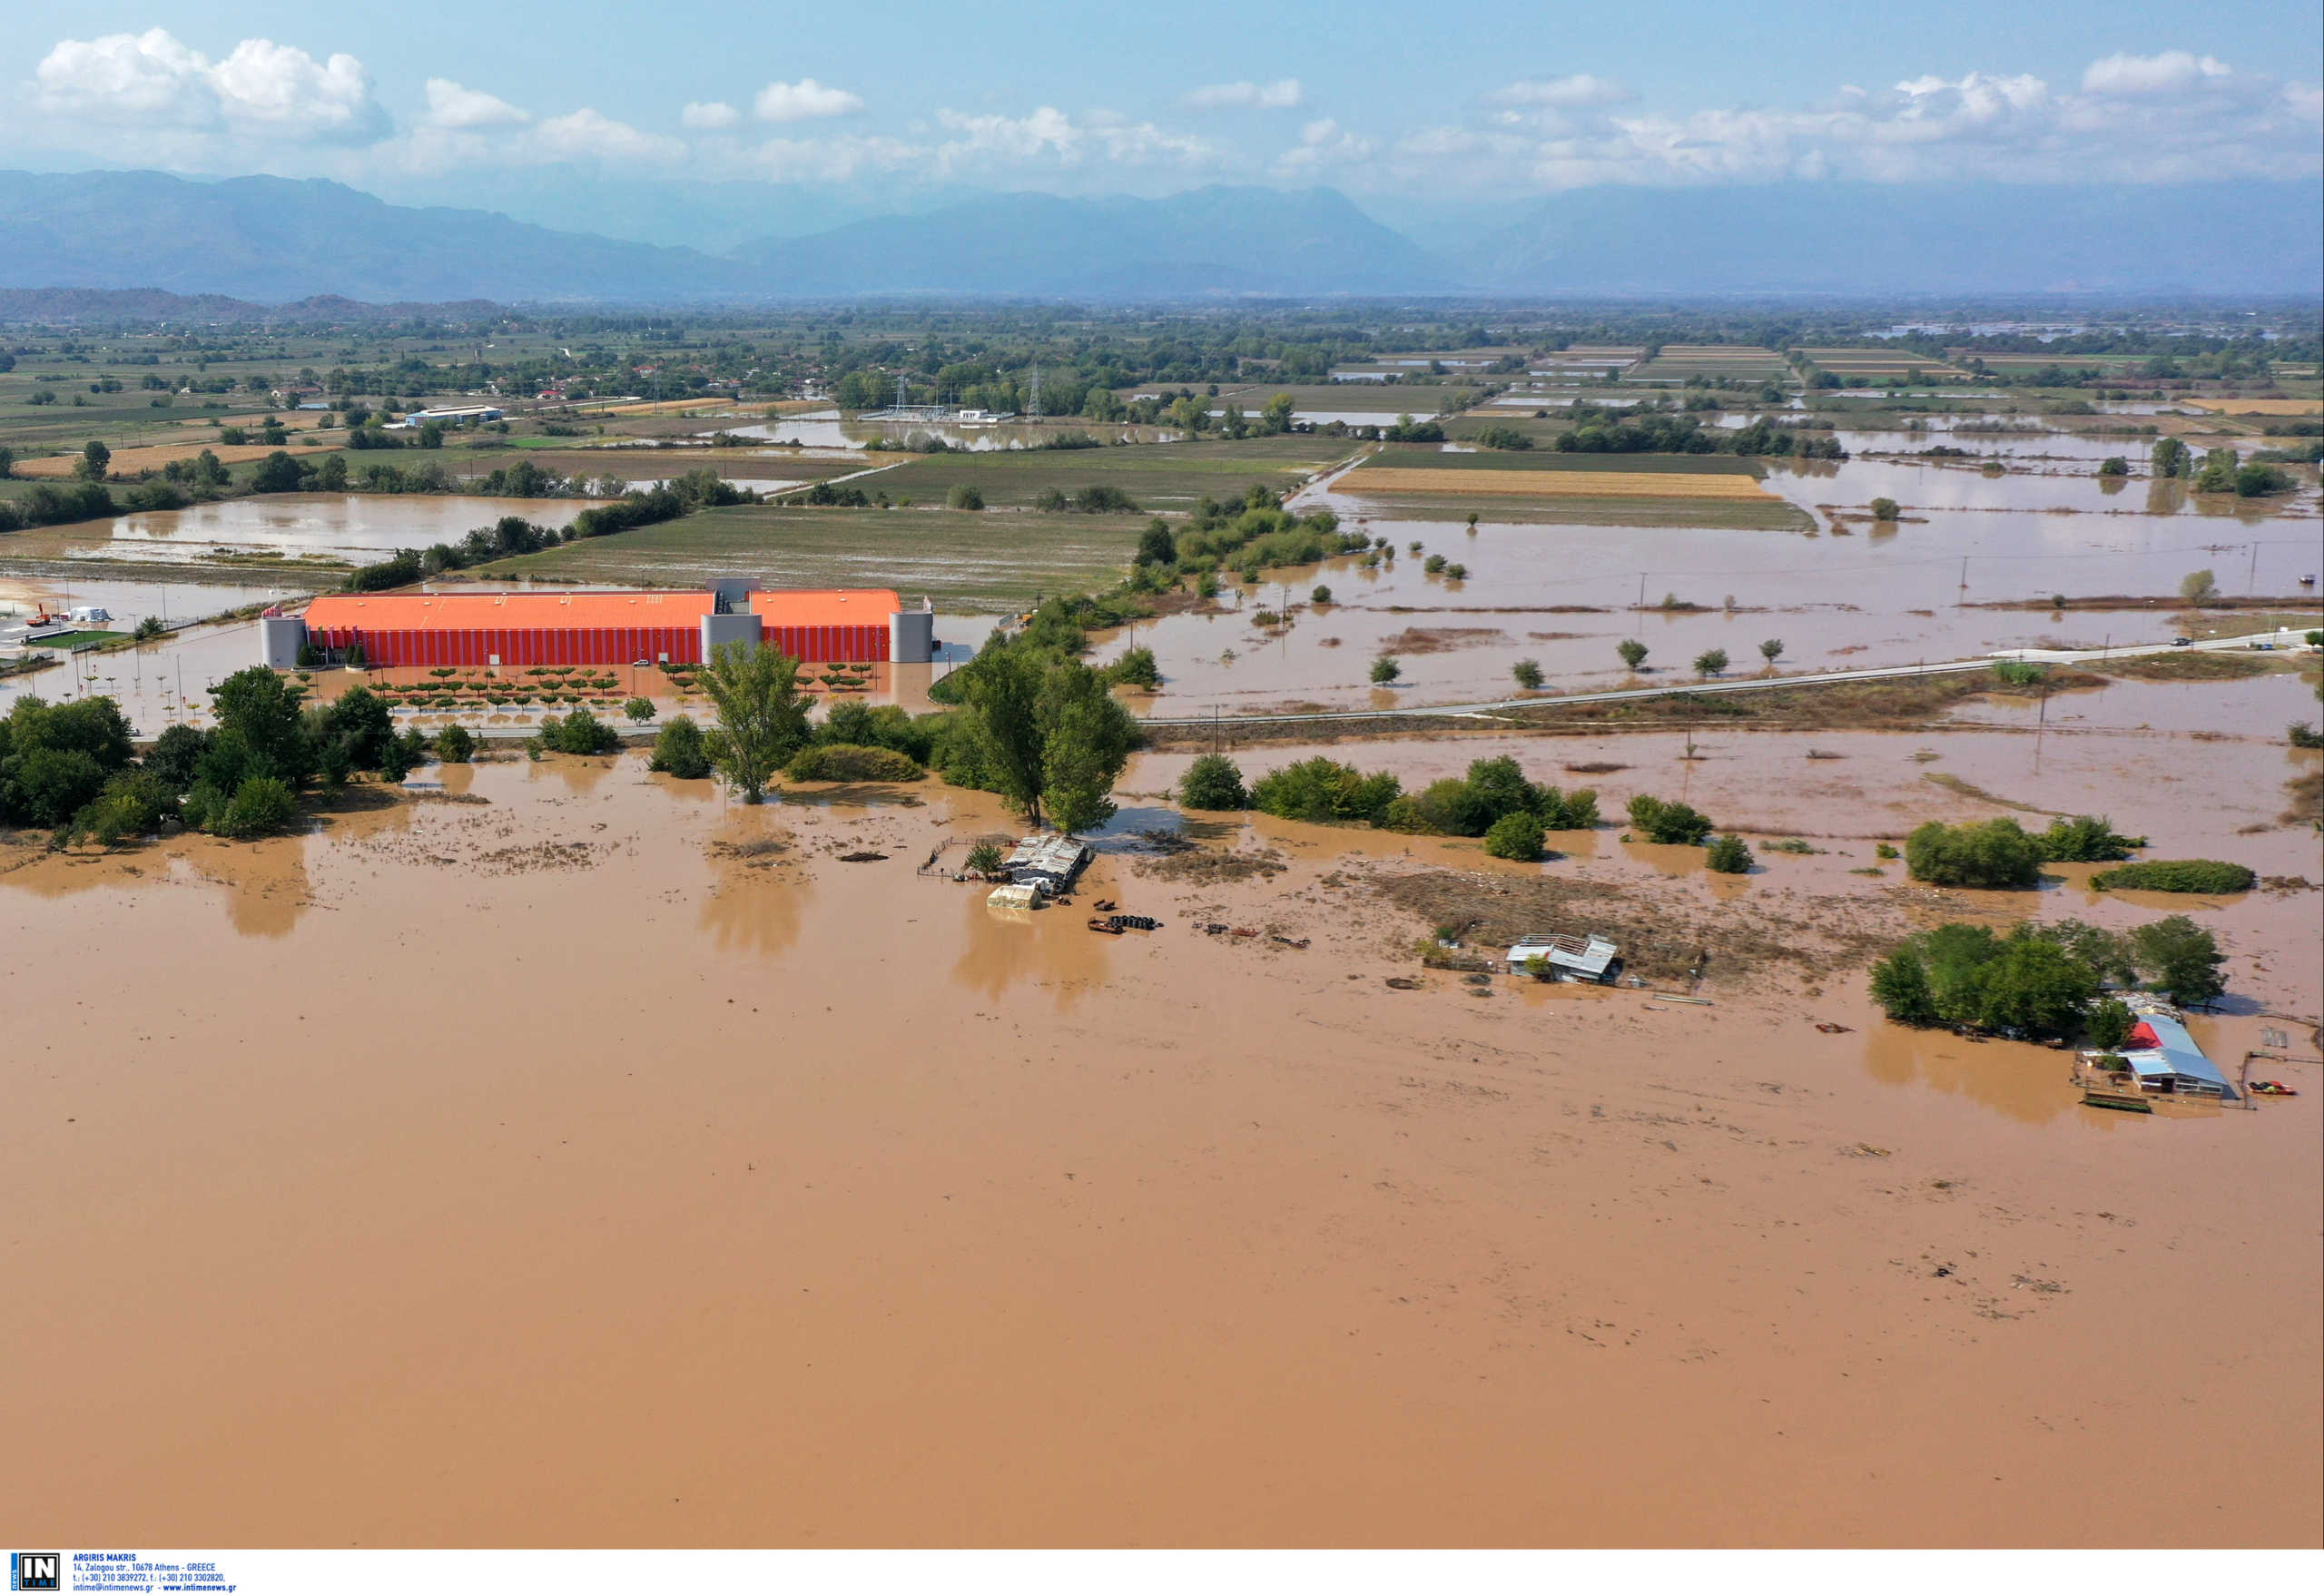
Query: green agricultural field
[(1428, 456), (985, 564), (1384, 399), (1677, 362), (1164, 477), (1879, 363)]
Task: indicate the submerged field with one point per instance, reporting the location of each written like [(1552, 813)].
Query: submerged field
[(1552, 488)]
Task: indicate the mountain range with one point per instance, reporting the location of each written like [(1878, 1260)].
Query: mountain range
[(271, 240)]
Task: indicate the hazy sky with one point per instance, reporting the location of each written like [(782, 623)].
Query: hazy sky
[(1388, 100)]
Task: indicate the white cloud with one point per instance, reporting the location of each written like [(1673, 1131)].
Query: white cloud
[(1279, 96), (1323, 142), (588, 134), (1046, 133), (709, 116), (451, 105), (262, 88), (2168, 72), (837, 158), (2174, 117), (1581, 89), (1048, 137), (803, 101)]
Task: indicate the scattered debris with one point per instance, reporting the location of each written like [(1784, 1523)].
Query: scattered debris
[(1113, 925), (1832, 1028), (862, 857)]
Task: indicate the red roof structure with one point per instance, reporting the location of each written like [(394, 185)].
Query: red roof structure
[(548, 626)]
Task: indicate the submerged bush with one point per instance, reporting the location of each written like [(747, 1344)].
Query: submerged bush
[(260, 807), (1663, 822), (2177, 875), (851, 762), (1212, 782), (2086, 839), (578, 733), (680, 750), (1516, 835), (1322, 789), (1989, 853), (1729, 856), (454, 746)]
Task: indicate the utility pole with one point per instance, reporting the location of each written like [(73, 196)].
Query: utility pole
[(1638, 615), (2252, 580), (1961, 598)]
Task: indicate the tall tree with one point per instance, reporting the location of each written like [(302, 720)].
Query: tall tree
[(259, 711), (1004, 689), (1087, 738), (761, 716)]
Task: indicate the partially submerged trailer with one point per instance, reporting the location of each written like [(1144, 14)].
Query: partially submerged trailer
[(1590, 957)]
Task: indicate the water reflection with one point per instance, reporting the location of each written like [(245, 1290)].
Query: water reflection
[(1048, 947), (754, 911), (2016, 1079)]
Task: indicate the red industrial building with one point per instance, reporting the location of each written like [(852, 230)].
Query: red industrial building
[(819, 626)]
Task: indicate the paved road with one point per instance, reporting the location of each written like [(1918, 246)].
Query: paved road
[(1490, 711)]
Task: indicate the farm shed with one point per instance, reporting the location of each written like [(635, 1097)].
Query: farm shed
[(1047, 863)]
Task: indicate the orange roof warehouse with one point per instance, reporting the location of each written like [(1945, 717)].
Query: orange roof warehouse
[(819, 626)]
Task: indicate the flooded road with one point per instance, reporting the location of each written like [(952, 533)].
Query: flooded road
[(601, 1163)]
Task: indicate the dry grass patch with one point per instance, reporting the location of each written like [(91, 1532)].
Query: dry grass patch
[(153, 457), (1441, 640), (2188, 668), (1664, 935)]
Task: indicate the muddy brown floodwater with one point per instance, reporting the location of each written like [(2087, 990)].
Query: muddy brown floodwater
[(603, 1163)]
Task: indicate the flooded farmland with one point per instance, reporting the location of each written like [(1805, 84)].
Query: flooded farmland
[(343, 526), (579, 1102), (1849, 593)]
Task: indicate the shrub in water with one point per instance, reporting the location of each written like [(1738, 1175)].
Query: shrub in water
[(578, 733), (2084, 838), (851, 762), (1989, 854), (1212, 782), (1729, 856), (1669, 823), (2177, 875), (1515, 835), (260, 807), (679, 751), (1322, 789)]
